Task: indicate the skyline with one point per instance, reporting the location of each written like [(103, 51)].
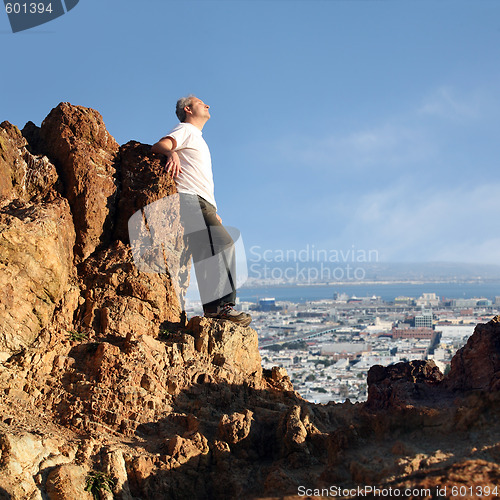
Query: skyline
[(334, 124)]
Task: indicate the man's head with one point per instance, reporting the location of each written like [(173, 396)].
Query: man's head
[(191, 109)]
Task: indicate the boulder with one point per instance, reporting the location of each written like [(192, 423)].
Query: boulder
[(76, 140), (235, 427), (231, 347), (68, 482), (23, 456), (144, 180), (120, 300), (476, 366), (23, 175), (36, 254), (148, 216), (402, 384)]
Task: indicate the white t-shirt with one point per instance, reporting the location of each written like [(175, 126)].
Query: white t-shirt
[(196, 175)]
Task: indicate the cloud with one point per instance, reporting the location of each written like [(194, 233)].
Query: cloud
[(414, 136), (446, 103), (406, 224), (387, 146), (411, 186)]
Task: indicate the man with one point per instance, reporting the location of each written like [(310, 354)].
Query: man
[(212, 248)]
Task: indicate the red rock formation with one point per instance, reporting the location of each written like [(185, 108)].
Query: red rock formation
[(36, 269), (36, 243), (23, 176), (144, 180), (119, 300), (402, 383), (76, 139), (477, 364)]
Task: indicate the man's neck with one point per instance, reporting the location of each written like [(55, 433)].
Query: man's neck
[(199, 124)]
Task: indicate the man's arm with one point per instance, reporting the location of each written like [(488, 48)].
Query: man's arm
[(166, 147)]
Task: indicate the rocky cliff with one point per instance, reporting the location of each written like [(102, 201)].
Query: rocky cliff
[(102, 383)]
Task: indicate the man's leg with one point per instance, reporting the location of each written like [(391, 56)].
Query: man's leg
[(213, 254), (224, 262)]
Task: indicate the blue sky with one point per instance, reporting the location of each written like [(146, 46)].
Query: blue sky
[(334, 123)]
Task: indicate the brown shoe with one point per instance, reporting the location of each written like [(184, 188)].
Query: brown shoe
[(227, 312)]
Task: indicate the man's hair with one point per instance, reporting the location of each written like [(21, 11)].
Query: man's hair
[(181, 104)]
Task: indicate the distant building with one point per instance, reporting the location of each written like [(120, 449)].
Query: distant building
[(364, 300), (456, 331), (428, 300), (344, 350), (464, 303), (379, 326), (267, 304), (424, 320), (404, 301), (311, 314), (412, 333), (340, 297), (483, 303)]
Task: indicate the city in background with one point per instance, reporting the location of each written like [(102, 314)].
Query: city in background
[(328, 345)]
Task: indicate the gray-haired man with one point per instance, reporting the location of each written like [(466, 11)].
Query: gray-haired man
[(212, 248)]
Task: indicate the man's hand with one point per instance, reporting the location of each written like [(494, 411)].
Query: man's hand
[(218, 218), (173, 164), (166, 147)]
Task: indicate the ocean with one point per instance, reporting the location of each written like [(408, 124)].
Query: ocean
[(387, 291)]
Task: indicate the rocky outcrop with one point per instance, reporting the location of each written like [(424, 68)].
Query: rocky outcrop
[(104, 386), (402, 383), (36, 243), (36, 269), (149, 194), (40, 230), (144, 180), (76, 139), (477, 364), (119, 300), (233, 350), (25, 455), (131, 381), (23, 175)]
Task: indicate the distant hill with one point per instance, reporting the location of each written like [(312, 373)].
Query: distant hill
[(300, 271)]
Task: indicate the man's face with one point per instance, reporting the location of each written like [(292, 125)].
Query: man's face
[(198, 108)]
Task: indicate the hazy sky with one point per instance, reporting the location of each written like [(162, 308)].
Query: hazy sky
[(334, 123)]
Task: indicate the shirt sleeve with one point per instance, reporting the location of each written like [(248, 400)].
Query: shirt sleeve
[(180, 134)]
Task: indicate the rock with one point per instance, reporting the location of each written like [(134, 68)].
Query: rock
[(463, 479), (235, 427), (122, 301), (36, 243), (23, 175), (32, 135), (295, 431), (68, 482), (402, 383), (148, 215), (279, 378), (139, 469), (22, 454), (115, 467), (184, 449), (476, 366), (144, 180), (229, 346), (76, 140)]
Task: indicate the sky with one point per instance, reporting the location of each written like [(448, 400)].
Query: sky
[(340, 124)]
